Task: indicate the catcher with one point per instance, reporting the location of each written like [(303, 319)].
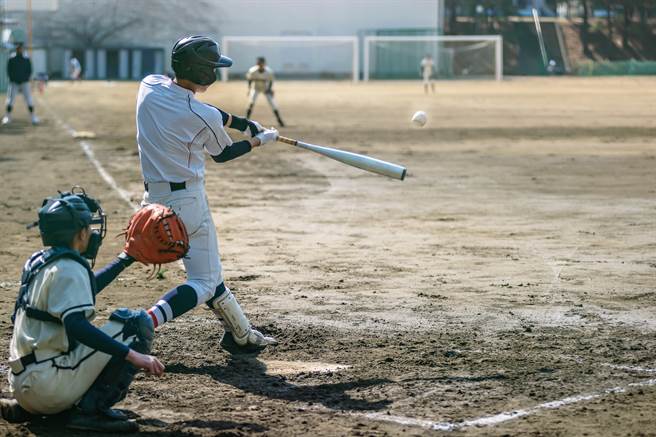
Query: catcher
[(59, 362)]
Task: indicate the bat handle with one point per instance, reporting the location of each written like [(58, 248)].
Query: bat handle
[(286, 140)]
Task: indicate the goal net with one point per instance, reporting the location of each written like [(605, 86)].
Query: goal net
[(294, 57), (454, 57)]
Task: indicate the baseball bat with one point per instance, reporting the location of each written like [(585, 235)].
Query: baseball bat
[(353, 159)]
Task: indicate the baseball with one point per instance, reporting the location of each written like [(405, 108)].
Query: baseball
[(420, 118)]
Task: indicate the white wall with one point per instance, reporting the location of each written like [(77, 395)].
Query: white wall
[(322, 17)]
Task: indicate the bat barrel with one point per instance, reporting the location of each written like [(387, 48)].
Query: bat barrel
[(360, 161)]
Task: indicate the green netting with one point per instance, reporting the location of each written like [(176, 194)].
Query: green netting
[(617, 68)]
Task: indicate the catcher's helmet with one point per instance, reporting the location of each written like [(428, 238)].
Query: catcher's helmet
[(63, 216), (198, 58)]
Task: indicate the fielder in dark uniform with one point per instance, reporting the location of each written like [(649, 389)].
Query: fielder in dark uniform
[(19, 70), (59, 362)]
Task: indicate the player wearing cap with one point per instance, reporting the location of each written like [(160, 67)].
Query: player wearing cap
[(426, 70), (260, 80), (19, 70), (60, 362), (174, 131)]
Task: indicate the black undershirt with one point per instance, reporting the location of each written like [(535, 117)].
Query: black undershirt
[(235, 150), (79, 328)]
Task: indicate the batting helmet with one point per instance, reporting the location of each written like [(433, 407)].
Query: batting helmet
[(63, 216), (197, 59)]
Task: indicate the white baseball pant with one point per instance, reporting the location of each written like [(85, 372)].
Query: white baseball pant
[(23, 88), (202, 263), (252, 97)]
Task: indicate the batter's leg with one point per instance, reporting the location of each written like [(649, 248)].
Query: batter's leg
[(202, 263), (238, 337)]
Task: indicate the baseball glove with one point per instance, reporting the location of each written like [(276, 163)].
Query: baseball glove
[(156, 235)]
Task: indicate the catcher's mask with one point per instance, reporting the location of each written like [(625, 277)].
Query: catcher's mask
[(62, 217)]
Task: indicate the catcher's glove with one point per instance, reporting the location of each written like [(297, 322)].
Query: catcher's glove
[(156, 235)]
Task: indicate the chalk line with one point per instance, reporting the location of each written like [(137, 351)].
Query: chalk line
[(501, 417), (123, 194), (87, 148), (631, 368)]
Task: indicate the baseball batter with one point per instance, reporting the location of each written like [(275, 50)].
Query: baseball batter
[(19, 70), (426, 70), (59, 361), (260, 80), (174, 130)]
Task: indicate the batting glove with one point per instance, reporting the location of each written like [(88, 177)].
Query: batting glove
[(252, 129), (267, 136)]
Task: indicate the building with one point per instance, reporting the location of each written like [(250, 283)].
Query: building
[(123, 39)]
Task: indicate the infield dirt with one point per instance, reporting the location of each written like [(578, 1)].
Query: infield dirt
[(515, 265)]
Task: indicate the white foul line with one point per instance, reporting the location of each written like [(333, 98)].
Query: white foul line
[(87, 148), (125, 195), (505, 416), (631, 368)]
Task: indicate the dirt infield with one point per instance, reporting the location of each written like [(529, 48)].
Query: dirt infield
[(514, 271)]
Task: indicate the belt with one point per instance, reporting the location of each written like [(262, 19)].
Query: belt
[(175, 186), (19, 365)]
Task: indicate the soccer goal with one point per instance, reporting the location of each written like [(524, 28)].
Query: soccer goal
[(294, 57), (454, 57)]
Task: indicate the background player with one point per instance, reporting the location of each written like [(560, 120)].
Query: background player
[(74, 69), (426, 70), (173, 132), (19, 70), (58, 359), (260, 80)]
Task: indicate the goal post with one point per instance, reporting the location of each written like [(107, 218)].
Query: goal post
[(295, 57), (455, 56)]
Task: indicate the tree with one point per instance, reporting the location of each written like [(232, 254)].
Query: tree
[(92, 24), (585, 28), (628, 15), (95, 22), (609, 18)]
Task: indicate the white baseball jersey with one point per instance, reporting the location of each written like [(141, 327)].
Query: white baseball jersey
[(61, 376), (261, 80), (174, 130), (427, 67), (61, 288)]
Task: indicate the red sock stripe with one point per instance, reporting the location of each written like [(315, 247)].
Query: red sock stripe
[(153, 316)]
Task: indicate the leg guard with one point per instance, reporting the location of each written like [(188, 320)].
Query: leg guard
[(112, 384), (227, 309), (239, 336)]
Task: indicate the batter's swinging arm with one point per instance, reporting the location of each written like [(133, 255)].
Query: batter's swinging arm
[(353, 159)]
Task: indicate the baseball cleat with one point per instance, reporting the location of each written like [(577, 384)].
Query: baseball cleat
[(35, 119), (229, 345), (6, 120)]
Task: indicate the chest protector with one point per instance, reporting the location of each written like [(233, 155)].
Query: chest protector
[(33, 266)]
